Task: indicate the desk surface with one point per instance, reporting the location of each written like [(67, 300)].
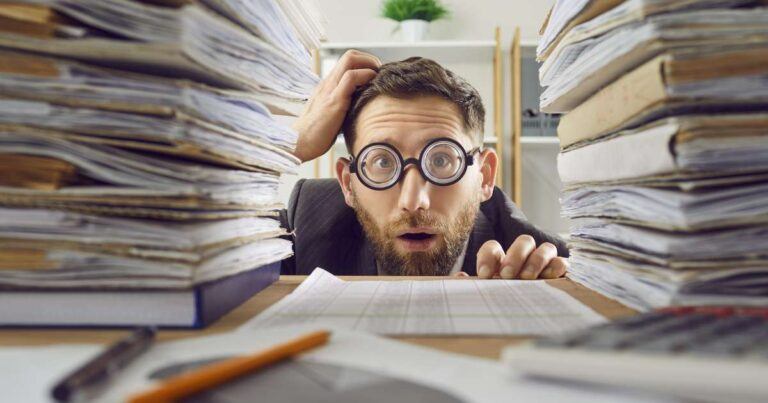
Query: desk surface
[(489, 347)]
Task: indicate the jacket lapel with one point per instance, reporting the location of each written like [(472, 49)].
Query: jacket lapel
[(366, 260)]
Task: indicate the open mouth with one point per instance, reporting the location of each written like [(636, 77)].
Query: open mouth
[(416, 236), (417, 239)]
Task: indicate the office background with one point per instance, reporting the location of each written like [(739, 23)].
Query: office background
[(358, 23)]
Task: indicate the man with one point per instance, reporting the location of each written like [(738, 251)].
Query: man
[(417, 195)]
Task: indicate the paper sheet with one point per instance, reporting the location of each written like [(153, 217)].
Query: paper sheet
[(27, 374), (353, 367), (430, 307)]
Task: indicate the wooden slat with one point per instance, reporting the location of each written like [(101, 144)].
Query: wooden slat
[(517, 119), (498, 117)]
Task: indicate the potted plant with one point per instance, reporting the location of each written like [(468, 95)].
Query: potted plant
[(413, 16)]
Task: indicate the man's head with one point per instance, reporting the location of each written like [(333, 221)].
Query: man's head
[(416, 226)]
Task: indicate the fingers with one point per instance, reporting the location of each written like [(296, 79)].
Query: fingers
[(351, 60), (522, 260), (489, 258), (538, 260), (460, 275), (556, 268), (516, 256), (349, 82)]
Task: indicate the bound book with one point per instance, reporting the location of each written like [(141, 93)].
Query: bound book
[(194, 307), (673, 83)]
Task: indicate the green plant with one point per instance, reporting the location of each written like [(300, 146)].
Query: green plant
[(400, 10)]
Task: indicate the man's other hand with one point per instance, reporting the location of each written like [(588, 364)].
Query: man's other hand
[(323, 116), (523, 260)]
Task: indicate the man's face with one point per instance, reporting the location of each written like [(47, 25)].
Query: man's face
[(416, 227)]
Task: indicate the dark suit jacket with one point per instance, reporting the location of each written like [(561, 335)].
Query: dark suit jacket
[(328, 235)]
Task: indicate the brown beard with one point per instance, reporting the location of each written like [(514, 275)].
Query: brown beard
[(437, 262)]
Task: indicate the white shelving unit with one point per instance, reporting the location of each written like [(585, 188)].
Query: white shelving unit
[(437, 50), (486, 140), (543, 140), (474, 57), (535, 176)]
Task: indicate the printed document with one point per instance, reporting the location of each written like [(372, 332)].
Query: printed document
[(430, 307)]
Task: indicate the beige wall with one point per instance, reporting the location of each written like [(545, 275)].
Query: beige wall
[(357, 20)]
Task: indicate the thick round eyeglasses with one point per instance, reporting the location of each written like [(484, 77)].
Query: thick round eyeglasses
[(443, 162)]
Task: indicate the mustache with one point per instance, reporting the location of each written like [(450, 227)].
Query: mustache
[(418, 219)]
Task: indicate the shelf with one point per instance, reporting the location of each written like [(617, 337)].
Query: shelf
[(486, 140), (536, 140), (444, 50), (540, 140), (438, 50), (341, 46)]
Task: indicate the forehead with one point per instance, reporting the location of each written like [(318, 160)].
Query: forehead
[(409, 123)]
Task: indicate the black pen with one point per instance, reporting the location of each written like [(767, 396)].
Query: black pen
[(97, 371)]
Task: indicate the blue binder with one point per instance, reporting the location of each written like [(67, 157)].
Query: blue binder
[(195, 308)]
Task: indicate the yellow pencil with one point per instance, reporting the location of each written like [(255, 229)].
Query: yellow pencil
[(217, 373)]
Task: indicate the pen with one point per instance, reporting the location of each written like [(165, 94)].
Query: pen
[(219, 372), (103, 366)]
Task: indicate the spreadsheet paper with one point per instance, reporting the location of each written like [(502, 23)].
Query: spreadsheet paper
[(430, 307)]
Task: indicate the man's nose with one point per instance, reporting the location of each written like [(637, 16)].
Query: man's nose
[(414, 192)]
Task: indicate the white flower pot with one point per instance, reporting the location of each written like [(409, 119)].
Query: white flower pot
[(414, 30)]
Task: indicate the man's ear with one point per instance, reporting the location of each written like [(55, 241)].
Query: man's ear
[(489, 162), (344, 178)]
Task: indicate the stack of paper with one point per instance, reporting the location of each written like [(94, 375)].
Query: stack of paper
[(579, 66), (190, 41), (139, 152), (664, 147), (433, 307)]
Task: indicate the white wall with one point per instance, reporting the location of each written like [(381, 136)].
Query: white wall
[(358, 21)]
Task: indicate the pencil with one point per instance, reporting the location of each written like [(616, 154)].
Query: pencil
[(217, 373)]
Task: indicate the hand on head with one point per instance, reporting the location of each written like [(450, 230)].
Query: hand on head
[(323, 116), (523, 260)]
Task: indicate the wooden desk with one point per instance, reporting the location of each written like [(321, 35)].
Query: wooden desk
[(489, 347)]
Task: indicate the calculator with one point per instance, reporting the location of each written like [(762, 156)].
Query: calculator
[(702, 353)]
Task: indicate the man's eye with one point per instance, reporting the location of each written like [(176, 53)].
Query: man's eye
[(441, 161), (383, 163)]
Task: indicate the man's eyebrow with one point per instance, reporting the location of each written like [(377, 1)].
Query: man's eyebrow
[(388, 138)]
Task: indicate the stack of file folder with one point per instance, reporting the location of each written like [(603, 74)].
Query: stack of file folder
[(664, 146), (140, 156)]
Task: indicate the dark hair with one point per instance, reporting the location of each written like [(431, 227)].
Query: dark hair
[(417, 76)]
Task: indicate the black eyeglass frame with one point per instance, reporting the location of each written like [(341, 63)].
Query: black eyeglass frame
[(469, 159)]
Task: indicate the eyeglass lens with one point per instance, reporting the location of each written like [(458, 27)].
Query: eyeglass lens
[(380, 164), (441, 161)]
